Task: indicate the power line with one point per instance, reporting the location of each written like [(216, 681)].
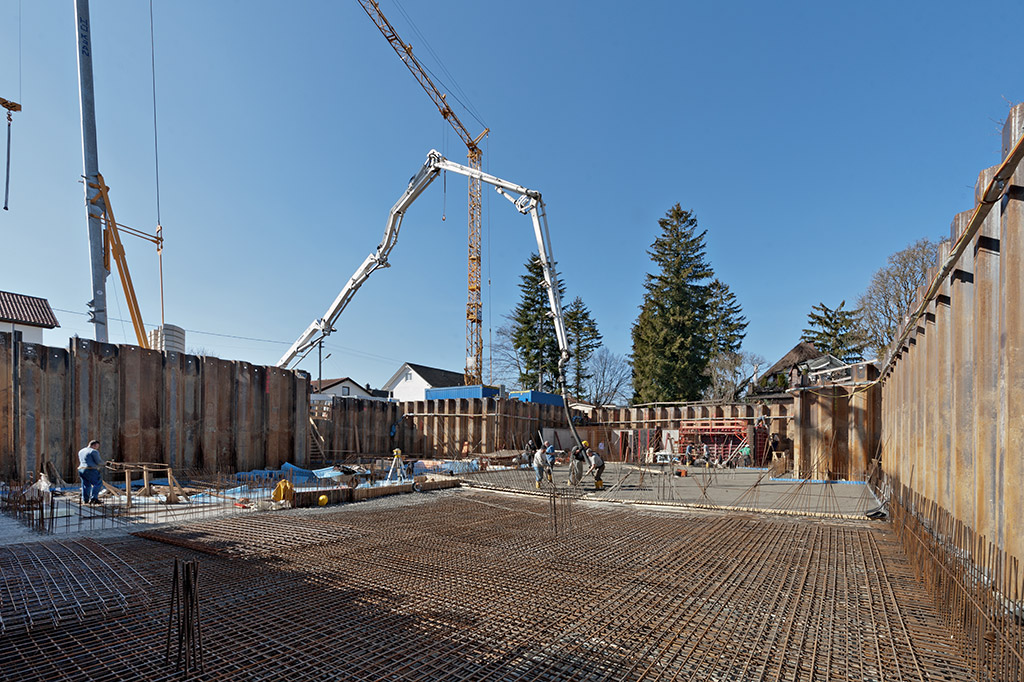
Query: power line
[(191, 331), (342, 349)]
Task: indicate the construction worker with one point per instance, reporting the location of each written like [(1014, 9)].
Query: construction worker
[(540, 465), (597, 466), (549, 452), (576, 460), (89, 472)]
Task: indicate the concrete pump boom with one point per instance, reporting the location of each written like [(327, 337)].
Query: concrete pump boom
[(526, 201)]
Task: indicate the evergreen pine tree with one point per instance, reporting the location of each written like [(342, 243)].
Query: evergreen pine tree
[(726, 323), (584, 339), (836, 331), (533, 331), (671, 343)]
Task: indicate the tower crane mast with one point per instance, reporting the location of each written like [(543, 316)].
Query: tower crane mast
[(474, 155)]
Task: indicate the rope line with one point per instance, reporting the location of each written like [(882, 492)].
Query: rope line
[(156, 148), (156, 164)]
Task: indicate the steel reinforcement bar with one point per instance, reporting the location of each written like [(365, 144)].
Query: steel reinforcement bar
[(473, 585), (976, 585)]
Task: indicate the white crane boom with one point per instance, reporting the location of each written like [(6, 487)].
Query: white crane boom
[(526, 201)]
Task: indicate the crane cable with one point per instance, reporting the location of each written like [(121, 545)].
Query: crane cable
[(12, 107), (156, 163)]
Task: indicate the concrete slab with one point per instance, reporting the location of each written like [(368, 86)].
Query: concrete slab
[(741, 488)]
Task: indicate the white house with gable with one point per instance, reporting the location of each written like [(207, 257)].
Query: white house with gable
[(345, 387), (411, 381)]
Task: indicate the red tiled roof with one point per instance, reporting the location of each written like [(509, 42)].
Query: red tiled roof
[(30, 310)]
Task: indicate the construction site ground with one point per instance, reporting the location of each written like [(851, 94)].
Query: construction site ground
[(744, 488), (471, 584)]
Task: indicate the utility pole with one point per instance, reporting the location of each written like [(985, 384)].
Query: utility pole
[(98, 302)]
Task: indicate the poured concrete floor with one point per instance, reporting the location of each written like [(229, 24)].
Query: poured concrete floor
[(745, 488)]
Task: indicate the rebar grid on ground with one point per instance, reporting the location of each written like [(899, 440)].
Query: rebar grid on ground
[(976, 585), (472, 585), (733, 489)]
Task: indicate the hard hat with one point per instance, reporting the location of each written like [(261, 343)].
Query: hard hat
[(586, 444)]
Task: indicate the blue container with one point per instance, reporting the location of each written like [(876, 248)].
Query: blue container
[(459, 392), (537, 397)]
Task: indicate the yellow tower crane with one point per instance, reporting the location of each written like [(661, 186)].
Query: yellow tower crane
[(474, 308)]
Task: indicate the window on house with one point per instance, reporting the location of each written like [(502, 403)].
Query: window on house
[(408, 376), (344, 390)]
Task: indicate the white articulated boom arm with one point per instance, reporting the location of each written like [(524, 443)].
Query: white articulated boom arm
[(378, 259), (526, 201)]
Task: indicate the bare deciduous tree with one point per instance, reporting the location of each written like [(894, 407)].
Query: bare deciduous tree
[(612, 378), (507, 364), (729, 373), (892, 290)]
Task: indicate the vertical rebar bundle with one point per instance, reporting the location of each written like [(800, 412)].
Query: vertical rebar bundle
[(183, 617), (976, 585)]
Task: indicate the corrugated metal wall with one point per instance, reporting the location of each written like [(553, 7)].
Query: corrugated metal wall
[(145, 406), (351, 427), (835, 431), (953, 399)]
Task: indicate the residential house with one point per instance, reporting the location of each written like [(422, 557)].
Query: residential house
[(804, 365), (411, 381), (29, 315), (344, 387)]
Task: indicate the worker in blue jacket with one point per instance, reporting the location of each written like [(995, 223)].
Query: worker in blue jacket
[(89, 465), (549, 452)]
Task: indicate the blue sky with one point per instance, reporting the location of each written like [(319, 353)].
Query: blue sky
[(811, 140)]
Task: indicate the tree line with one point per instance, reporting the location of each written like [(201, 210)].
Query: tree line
[(687, 338)]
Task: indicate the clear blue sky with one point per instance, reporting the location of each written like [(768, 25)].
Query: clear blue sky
[(811, 139)]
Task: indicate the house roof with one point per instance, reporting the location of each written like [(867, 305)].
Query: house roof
[(802, 352), (438, 377), (318, 385), (28, 310), (432, 375), (331, 383)]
